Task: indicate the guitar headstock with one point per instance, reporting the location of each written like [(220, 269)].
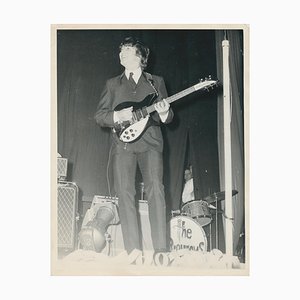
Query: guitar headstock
[(206, 83)]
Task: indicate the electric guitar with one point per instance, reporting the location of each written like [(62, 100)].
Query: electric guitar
[(129, 131)]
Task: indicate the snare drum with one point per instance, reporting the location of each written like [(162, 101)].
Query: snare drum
[(198, 210), (186, 233)]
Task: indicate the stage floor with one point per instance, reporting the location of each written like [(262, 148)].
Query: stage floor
[(185, 262)]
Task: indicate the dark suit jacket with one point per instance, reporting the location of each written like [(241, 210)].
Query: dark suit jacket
[(118, 90)]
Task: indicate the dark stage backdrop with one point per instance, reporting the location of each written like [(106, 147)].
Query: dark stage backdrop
[(86, 58)]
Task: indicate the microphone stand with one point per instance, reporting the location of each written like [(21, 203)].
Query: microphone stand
[(217, 234)]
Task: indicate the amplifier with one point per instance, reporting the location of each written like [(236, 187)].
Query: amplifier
[(145, 228), (62, 167), (116, 236), (67, 207), (104, 199)]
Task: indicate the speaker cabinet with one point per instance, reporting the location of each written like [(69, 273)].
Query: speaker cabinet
[(67, 206)]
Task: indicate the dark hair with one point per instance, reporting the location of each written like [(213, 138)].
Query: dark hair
[(141, 49)]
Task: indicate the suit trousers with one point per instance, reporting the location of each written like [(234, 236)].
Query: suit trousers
[(151, 166)]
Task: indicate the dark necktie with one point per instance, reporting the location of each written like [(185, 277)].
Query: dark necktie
[(132, 80)]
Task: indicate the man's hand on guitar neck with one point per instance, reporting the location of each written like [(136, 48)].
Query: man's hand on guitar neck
[(162, 107), (123, 115)]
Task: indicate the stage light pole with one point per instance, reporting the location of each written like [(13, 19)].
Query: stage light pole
[(227, 149)]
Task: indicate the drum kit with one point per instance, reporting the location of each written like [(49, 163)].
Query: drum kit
[(187, 228)]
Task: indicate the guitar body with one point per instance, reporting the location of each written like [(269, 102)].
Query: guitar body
[(129, 131)]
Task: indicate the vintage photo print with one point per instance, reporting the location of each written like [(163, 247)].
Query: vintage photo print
[(149, 149)]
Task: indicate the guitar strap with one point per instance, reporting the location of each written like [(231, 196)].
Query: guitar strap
[(151, 81)]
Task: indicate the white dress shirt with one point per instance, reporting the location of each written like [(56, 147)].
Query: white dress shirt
[(136, 74), (188, 191)]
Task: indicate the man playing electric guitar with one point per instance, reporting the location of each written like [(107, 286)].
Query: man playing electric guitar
[(134, 84)]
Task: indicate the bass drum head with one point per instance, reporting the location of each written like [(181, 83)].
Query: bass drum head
[(186, 233)]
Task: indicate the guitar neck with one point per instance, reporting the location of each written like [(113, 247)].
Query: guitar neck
[(173, 98)]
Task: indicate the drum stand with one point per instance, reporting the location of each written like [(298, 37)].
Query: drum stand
[(215, 201), (214, 198), (217, 229), (216, 235)]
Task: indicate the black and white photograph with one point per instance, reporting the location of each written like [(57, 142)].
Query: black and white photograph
[(150, 150)]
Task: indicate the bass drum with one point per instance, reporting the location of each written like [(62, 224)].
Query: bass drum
[(186, 233)]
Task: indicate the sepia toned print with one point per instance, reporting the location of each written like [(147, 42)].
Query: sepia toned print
[(149, 150)]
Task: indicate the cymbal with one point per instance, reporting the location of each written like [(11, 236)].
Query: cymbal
[(218, 196)]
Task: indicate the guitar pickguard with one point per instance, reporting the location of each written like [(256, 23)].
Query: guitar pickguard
[(133, 131)]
